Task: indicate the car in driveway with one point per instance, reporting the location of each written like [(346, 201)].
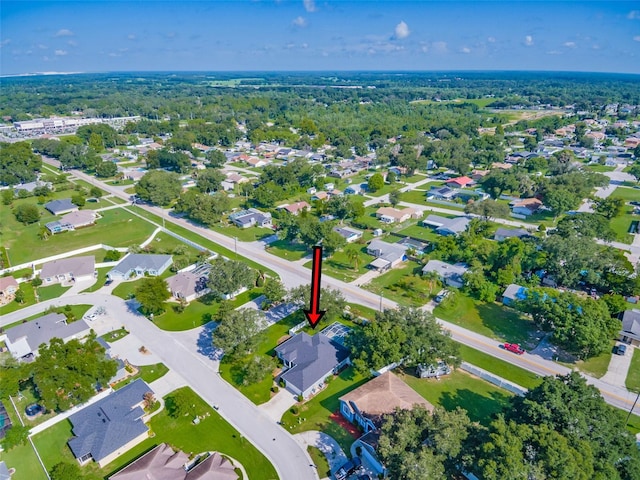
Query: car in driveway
[(514, 348), (620, 350), (33, 410), (348, 468)]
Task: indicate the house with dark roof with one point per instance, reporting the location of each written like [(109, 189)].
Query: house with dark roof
[(139, 264), (26, 338), (348, 233), (71, 221), (369, 404), (446, 226), (451, 275), (5, 421), (110, 427), (251, 217), (388, 255), (308, 361), (59, 207), (630, 332), (67, 270), (163, 463), (513, 293), (504, 233)]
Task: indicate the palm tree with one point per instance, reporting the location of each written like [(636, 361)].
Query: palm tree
[(432, 279), (353, 256)]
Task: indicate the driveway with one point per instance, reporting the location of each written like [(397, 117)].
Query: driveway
[(128, 348), (326, 444), (167, 383), (618, 368), (279, 403)]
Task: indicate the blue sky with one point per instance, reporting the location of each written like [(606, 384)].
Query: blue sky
[(146, 35)]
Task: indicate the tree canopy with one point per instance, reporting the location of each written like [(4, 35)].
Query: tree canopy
[(159, 187)]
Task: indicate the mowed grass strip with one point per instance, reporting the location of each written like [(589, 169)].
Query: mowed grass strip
[(633, 376)]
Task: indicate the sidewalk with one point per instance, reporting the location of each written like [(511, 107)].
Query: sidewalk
[(326, 444)]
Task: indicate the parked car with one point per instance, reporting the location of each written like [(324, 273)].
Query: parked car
[(514, 347), (348, 468), (33, 410), (620, 349), (441, 295)]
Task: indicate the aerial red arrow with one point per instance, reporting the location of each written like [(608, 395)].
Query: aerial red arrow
[(314, 314)]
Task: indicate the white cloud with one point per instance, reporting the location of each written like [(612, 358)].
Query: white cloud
[(64, 32), (634, 15), (60, 53), (131, 36), (491, 39), (113, 54), (570, 44), (528, 40), (554, 52), (440, 47), (465, 50), (309, 5), (42, 47), (72, 43), (4, 42), (402, 30), (299, 22), (636, 38)]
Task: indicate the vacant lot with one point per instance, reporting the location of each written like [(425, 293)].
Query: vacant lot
[(341, 267)]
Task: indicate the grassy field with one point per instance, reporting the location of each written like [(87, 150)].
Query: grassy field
[(148, 373), (633, 376), (595, 366), (426, 234), (340, 267), (628, 194), (213, 433), (53, 291), (320, 462), (314, 414), (480, 399), (404, 285), (117, 228), (29, 299), (489, 319), (243, 234), (288, 251), (600, 168)]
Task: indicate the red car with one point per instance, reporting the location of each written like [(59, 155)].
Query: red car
[(514, 347)]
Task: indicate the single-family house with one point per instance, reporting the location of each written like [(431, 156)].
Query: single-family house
[(349, 234), (250, 218), (26, 338), (460, 182), (110, 427), (296, 208), (190, 285), (478, 175), (369, 404), (446, 226), (8, 287), (72, 221), (513, 293), (441, 193), (504, 233), (66, 270), (256, 162), (388, 255), (415, 245), (394, 215), (163, 463), (62, 206), (525, 206), (356, 189), (451, 275), (321, 195), (139, 264), (630, 332), (31, 186), (308, 361)]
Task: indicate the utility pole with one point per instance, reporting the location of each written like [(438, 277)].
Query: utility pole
[(633, 406)]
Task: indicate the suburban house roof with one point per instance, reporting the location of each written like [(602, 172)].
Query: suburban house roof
[(296, 207), (75, 219), (77, 266), (42, 330), (510, 233), (141, 261), (531, 203), (445, 270), (395, 213), (382, 395), (313, 357), (162, 463), (347, 232), (6, 282), (444, 224), (60, 206), (4, 471), (387, 251), (631, 322), (462, 181), (187, 283), (107, 425), (250, 216), (515, 292)]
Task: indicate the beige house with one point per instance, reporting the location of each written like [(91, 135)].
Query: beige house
[(8, 287), (394, 215)]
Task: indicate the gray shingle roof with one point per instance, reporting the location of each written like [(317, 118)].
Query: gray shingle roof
[(445, 270), (509, 233), (313, 357), (387, 251), (456, 225), (78, 266), (62, 205), (631, 322), (141, 261), (43, 329), (103, 427)]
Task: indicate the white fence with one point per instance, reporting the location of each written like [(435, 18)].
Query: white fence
[(295, 329), (495, 379)]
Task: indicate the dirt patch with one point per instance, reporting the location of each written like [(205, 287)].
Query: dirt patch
[(344, 423), (283, 339)]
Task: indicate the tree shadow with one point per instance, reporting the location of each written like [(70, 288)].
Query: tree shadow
[(205, 342), (480, 408)]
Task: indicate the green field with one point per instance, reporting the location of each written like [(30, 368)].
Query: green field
[(243, 234), (288, 251), (320, 461), (628, 194), (213, 433), (53, 291), (148, 373), (489, 319), (633, 376), (340, 267), (404, 285)]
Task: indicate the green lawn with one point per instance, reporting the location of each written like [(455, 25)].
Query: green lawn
[(314, 414), (288, 251), (499, 367), (102, 278), (628, 194), (213, 433), (479, 398), (620, 225), (243, 234), (600, 168), (595, 366), (29, 299), (114, 335), (633, 376), (53, 291), (125, 289), (78, 312), (148, 373), (117, 228), (320, 461), (404, 285), (340, 267), (421, 233), (489, 319)]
